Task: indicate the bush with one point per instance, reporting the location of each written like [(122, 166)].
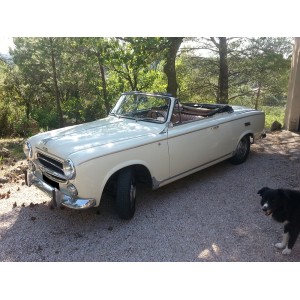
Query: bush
[(45, 117), (4, 121), (273, 113)]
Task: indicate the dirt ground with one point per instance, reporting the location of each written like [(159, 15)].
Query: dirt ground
[(211, 216)]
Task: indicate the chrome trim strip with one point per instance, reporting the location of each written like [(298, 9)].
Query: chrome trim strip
[(46, 171), (49, 162), (50, 155), (56, 195), (211, 126), (156, 183), (110, 153), (56, 179)]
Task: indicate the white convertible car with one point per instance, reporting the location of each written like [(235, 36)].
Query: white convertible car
[(152, 138)]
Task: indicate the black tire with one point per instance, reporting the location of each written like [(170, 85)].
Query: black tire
[(126, 194), (242, 151)]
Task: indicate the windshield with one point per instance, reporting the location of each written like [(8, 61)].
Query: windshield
[(142, 107)]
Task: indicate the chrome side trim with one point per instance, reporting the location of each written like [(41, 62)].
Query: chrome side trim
[(210, 126), (118, 151), (156, 184)]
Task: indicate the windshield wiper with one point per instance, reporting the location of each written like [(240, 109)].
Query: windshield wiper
[(114, 114)]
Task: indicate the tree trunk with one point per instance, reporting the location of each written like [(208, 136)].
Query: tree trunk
[(103, 81), (257, 95), (58, 104), (169, 67), (27, 109), (223, 75)]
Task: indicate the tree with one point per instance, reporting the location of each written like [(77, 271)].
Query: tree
[(38, 60), (53, 53), (152, 50), (222, 95), (236, 68), (268, 64), (134, 59), (100, 48), (172, 47)]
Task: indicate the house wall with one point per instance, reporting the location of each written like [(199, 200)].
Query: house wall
[(292, 113)]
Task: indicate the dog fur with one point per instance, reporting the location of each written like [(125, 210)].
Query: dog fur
[(284, 207)]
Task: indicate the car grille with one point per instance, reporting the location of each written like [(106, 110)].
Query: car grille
[(51, 167)]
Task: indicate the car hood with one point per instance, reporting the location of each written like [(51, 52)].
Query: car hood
[(68, 141)]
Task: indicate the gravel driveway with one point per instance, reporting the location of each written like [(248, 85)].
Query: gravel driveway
[(213, 215)]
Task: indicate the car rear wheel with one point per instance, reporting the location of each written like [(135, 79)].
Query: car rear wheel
[(242, 151), (126, 194)]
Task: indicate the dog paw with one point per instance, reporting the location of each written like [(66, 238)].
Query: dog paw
[(279, 245), (286, 251)]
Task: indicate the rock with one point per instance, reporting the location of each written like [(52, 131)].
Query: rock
[(18, 171), (3, 180), (4, 152), (276, 126)]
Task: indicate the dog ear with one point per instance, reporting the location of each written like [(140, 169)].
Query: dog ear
[(262, 191)]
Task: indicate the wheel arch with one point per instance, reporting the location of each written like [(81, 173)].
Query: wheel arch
[(247, 133), (242, 150), (141, 171)]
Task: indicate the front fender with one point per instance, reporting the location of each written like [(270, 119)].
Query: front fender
[(92, 176)]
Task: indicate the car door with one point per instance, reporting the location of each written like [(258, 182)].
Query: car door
[(197, 144)]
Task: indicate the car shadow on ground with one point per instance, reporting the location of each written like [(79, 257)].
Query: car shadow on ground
[(212, 215)]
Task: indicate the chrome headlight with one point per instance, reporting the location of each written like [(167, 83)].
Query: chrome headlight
[(27, 150), (69, 169)]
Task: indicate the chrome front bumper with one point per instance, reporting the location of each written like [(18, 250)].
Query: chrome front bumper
[(57, 196)]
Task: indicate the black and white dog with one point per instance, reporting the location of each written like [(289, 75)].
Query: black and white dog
[(284, 206)]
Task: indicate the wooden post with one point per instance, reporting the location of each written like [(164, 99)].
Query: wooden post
[(292, 112)]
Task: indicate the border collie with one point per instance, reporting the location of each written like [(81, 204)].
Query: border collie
[(284, 207)]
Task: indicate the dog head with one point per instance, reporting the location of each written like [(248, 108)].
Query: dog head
[(271, 199)]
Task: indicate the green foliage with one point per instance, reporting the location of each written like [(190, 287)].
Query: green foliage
[(84, 77), (4, 120), (273, 113), (46, 118), (13, 121), (258, 71)]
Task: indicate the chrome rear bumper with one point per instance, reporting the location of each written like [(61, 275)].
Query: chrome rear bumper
[(58, 198)]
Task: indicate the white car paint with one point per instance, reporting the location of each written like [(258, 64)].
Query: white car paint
[(169, 151)]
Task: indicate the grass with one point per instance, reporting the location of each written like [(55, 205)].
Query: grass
[(273, 113)]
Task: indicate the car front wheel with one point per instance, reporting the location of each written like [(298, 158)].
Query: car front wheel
[(242, 151), (126, 194)]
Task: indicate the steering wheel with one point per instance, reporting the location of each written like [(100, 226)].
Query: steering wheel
[(156, 114)]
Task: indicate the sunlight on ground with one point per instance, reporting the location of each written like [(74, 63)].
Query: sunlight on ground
[(210, 253)]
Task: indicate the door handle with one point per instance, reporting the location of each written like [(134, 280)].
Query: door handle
[(215, 127)]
